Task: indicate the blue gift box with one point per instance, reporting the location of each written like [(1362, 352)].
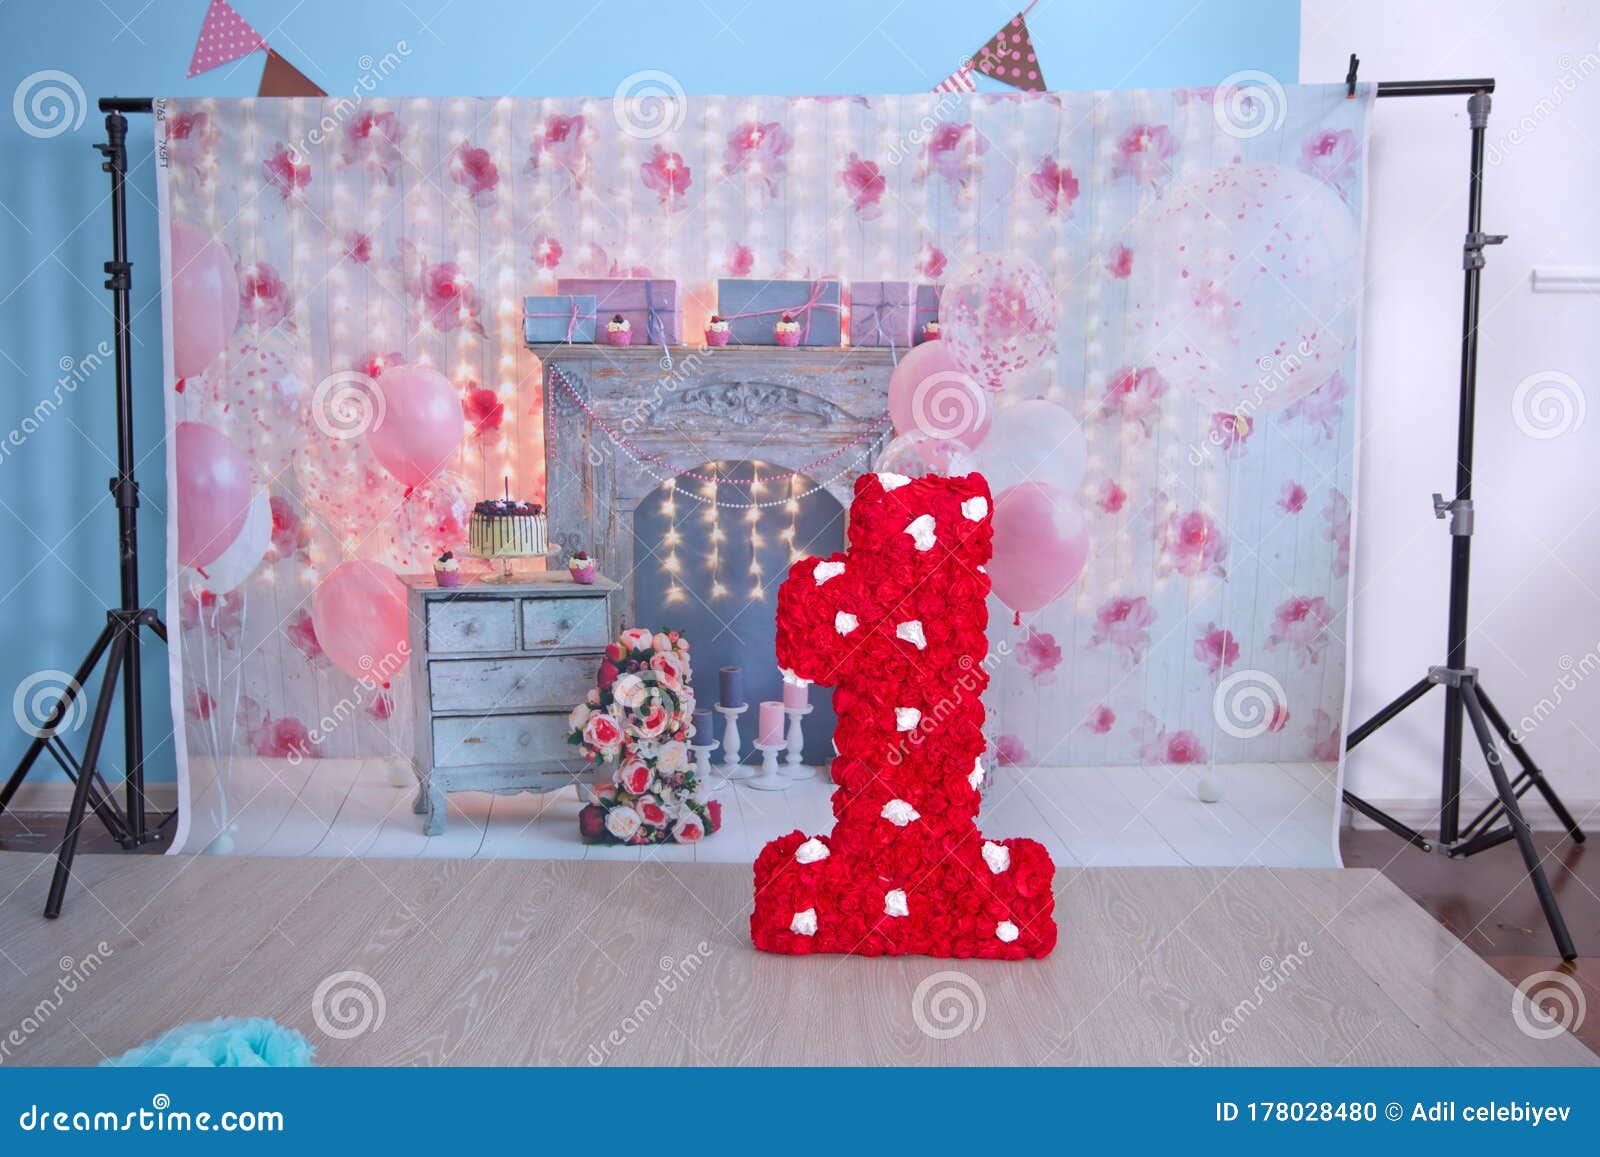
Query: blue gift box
[(558, 317), (650, 304), (753, 307), (927, 310), (880, 314)]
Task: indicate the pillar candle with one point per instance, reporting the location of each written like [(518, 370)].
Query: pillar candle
[(796, 694), (770, 733), (704, 730), (731, 680)]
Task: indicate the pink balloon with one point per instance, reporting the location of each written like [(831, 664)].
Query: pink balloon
[(205, 298), (930, 394), (214, 492), (1041, 545), (359, 615), (420, 425)]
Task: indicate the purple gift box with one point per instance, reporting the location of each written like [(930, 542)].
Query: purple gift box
[(650, 304), (880, 314), (752, 307), (558, 317), (927, 310)]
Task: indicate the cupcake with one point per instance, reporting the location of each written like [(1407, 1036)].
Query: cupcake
[(788, 331), (930, 331), (581, 567), (718, 331), (618, 331), (446, 570)]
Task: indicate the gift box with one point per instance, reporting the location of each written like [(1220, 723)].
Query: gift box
[(650, 304), (558, 317), (752, 307), (927, 309), (880, 314)]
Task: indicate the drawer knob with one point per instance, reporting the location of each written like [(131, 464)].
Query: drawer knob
[(470, 627), (524, 738)]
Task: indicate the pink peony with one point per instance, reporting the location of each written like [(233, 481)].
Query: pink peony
[(263, 296), (1143, 152), (633, 776), (1230, 431), (1054, 185), (651, 811), (1216, 648), (372, 140), (449, 300), (382, 707), (1192, 545), (758, 150), (1133, 395), (1331, 156), (303, 634), (953, 152), (199, 704), (191, 142), (1124, 624), (546, 251), (562, 141), (374, 364), (358, 247), (1183, 747), (1009, 751), (1110, 497), (483, 410), (1039, 655), (865, 183), (602, 732), (1292, 498), (1301, 624), (931, 261), (689, 829), (475, 171), (1337, 514), (285, 172), (1119, 263), (668, 175), (738, 261), (282, 739), (289, 533), (1101, 719)]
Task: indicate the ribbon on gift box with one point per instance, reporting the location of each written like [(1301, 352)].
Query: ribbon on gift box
[(572, 316), (814, 301), (881, 315)]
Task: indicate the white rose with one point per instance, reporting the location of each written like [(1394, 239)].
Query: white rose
[(580, 716), (672, 757), (638, 638), (622, 822), (629, 691), (661, 642)]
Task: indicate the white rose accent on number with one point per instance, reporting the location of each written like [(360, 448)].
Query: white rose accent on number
[(921, 531), (911, 632), (894, 903), (827, 570), (844, 622), (906, 718), (1006, 931), (892, 481), (805, 923), (975, 776), (975, 507), (811, 851), (899, 813), (997, 856)]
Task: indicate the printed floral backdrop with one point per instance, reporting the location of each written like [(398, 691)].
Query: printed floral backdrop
[(366, 235)]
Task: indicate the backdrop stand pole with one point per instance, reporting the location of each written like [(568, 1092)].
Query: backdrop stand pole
[(1463, 694)]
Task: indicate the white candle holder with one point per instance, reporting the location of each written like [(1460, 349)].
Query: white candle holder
[(702, 763), (769, 779), (794, 768), (732, 770)]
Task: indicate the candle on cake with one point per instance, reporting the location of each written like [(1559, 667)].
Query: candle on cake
[(704, 729), (796, 694), (769, 731), (731, 682)]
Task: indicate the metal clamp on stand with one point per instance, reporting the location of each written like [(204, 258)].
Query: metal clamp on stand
[(1458, 511)]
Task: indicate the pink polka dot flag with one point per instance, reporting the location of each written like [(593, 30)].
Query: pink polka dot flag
[(225, 36), (1009, 57)]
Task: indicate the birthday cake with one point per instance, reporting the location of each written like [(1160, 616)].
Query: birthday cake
[(505, 528)]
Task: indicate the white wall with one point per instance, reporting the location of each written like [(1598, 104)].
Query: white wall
[(1536, 572)]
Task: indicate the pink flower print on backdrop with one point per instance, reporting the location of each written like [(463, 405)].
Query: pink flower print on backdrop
[(1327, 745), (1101, 719), (758, 151), (290, 535), (1119, 262), (475, 171), (282, 739), (483, 410), (286, 171), (953, 152), (592, 260), (449, 300), (1230, 432), (1322, 408), (1054, 185), (199, 704), (738, 261), (865, 184), (382, 706), (1192, 544), (1143, 152), (191, 145), (1110, 497), (931, 261), (300, 632), (562, 143), (1123, 624), (1039, 656), (1337, 515), (1331, 156), (1216, 648), (263, 296), (546, 251), (358, 246), (1292, 498), (374, 364), (1301, 624), (1158, 745), (1009, 751), (372, 141), (1133, 395), (668, 175), (222, 616)]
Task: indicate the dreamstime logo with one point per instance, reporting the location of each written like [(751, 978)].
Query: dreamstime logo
[(1548, 1004), (1276, 973), (75, 973), (1548, 404), (649, 103), (347, 404), (40, 696), (1574, 672), (1249, 703), (1249, 103), (946, 405), (675, 973), (947, 1004), (48, 103), (348, 1004)]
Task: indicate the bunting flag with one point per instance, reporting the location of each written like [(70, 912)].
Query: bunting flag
[(225, 36), (958, 81), (1009, 57), (280, 78)]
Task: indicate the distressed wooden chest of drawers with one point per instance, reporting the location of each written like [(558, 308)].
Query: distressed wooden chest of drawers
[(495, 670)]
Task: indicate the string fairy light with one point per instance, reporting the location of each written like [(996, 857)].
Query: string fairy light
[(753, 517)]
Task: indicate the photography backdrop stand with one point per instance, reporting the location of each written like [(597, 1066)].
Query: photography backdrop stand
[(119, 640), (1463, 692)]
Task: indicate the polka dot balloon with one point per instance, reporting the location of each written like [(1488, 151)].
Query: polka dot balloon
[(999, 321)]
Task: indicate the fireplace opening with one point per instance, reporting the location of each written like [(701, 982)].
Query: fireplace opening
[(708, 559)]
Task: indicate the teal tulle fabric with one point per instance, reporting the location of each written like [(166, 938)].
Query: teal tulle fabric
[(229, 1042)]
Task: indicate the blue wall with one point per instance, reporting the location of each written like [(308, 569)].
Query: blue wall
[(57, 527)]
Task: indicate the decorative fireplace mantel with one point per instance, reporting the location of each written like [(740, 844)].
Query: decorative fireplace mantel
[(787, 407)]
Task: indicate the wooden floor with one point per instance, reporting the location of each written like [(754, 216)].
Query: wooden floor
[(412, 961), (1274, 815)]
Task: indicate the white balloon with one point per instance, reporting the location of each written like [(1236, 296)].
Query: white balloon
[(1245, 286), (1033, 441), (233, 566)]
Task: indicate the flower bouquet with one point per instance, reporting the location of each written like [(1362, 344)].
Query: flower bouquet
[(638, 719)]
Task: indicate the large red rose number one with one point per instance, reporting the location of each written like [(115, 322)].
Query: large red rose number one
[(896, 624)]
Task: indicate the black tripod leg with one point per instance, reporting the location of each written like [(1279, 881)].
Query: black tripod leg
[(1529, 769), (57, 713), (1406, 698), (80, 794), (1519, 826), (133, 737)]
